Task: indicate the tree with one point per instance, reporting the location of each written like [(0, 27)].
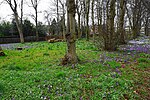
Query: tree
[(53, 27), (28, 28), (13, 5), (57, 5), (5, 28), (87, 9), (63, 18), (34, 4), (99, 15), (41, 29), (110, 36), (146, 16), (47, 16), (136, 19), (146, 3), (71, 56), (121, 22), (79, 11), (93, 17), (21, 18), (147, 22)]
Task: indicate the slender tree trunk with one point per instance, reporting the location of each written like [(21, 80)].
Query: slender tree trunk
[(64, 32), (57, 11), (21, 15), (79, 25), (93, 24), (99, 17), (79, 17), (49, 26), (36, 25), (87, 19), (146, 29), (35, 5), (68, 24)]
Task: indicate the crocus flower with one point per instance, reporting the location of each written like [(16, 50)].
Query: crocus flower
[(123, 66)]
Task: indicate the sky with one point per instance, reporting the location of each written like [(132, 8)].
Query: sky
[(6, 12)]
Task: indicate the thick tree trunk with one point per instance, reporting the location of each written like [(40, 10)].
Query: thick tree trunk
[(121, 22), (110, 36), (71, 56), (19, 27)]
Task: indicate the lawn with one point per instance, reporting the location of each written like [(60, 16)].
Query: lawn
[(35, 73)]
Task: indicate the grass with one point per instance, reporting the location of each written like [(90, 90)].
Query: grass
[(35, 73)]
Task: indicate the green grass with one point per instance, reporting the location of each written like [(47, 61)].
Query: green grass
[(35, 73)]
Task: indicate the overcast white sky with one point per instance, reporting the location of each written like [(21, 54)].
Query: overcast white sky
[(6, 13)]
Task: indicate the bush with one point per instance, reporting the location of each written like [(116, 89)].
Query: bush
[(99, 42)]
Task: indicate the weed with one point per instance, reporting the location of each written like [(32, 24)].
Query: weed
[(143, 60)]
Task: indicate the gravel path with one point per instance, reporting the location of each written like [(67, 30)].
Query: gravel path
[(9, 46)]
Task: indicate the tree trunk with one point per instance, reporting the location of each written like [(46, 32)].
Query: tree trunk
[(71, 56), (110, 36), (19, 27), (14, 9), (79, 24), (121, 22), (79, 9), (136, 18), (64, 32), (21, 15), (87, 19), (93, 25), (36, 23)]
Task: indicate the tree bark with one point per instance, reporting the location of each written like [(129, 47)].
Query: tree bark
[(19, 28), (71, 56), (121, 22), (93, 24), (36, 24), (79, 17), (136, 18), (110, 36), (87, 19), (35, 5), (14, 9)]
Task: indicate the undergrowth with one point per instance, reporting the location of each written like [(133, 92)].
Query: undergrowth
[(35, 73)]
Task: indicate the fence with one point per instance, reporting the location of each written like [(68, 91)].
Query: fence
[(17, 40)]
